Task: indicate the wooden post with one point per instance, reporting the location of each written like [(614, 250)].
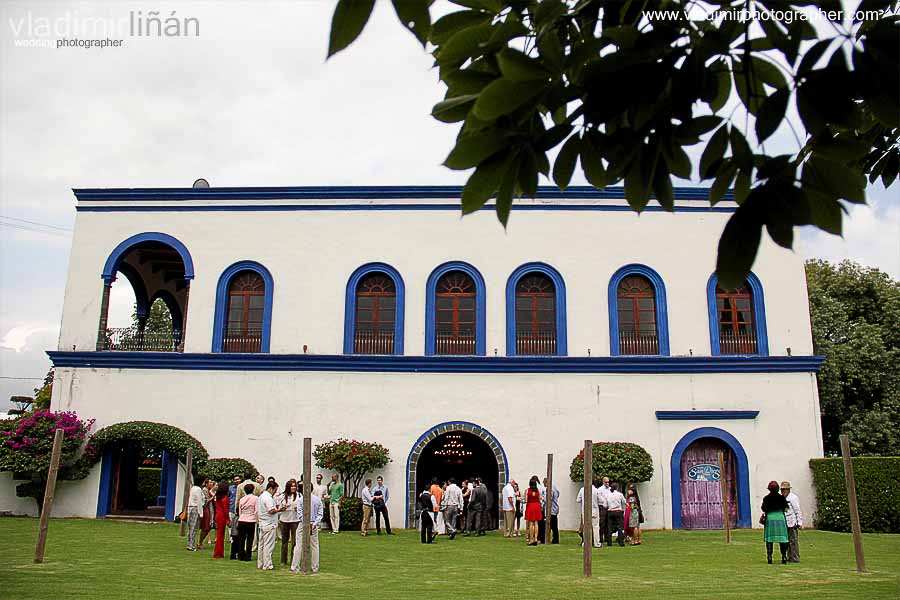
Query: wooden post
[(587, 529), (548, 508), (48, 497), (851, 500), (188, 463), (307, 506), (723, 485)]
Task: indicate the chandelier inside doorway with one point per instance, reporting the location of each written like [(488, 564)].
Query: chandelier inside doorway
[(453, 450)]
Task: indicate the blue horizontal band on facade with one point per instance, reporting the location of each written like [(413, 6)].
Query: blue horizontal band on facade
[(378, 192), (429, 364), (409, 207), (705, 415)]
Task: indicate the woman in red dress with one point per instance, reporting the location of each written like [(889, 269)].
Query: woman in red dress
[(222, 519), (532, 511)]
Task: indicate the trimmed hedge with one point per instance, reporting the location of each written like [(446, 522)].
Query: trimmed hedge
[(157, 435), (219, 469), (351, 513), (623, 462), (877, 491), (148, 484)]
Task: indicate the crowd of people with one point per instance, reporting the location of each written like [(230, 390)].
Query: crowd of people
[(254, 512)]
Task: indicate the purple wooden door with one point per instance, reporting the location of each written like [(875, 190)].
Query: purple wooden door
[(701, 495)]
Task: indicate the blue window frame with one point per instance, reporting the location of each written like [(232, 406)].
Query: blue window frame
[(559, 305), (752, 336), (351, 300), (222, 303), (456, 342), (618, 345)]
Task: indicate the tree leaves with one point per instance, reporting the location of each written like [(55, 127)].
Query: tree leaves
[(485, 181), (715, 150), (470, 151), (771, 113), (350, 17), (517, 66), (504, 96), (738, 244), (414, 15)]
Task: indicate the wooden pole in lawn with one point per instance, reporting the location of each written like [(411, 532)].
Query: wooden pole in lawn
[(587, 505), (48, 497), (307, 506), (723, 485), (548, 503), (854, 509), (188, 463)]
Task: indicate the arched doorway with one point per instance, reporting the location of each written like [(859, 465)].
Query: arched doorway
[(460, 450), (696, 481), (141, 480)]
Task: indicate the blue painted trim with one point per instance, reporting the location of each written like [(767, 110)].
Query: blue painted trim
[(406, 207), (662, 314), (222, 302), (172, 304), (560, 287), (105, 493), (743, 474), (142, 302), (115, 257), (759, 315), (351, 192), (480, 294), (705, 415), (171, 476), (350, 303), (460, 425), (435, 364)]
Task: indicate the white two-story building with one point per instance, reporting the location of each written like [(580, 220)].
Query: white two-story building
[(377, 313)]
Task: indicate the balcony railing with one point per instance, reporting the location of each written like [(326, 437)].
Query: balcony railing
[(542, 343), (741, 343), (131, 339), (249, 341), (631, 343), (373, 342), (447, 343)]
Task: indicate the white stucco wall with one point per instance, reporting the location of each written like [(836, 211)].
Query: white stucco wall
[(263, 417)]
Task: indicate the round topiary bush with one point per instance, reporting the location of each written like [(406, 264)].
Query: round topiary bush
[(620, 461), (351, 513), (219, 469)]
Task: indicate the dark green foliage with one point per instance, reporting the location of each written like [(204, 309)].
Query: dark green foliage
[(623, 462), (154, 435), (627, 92), (877, 493), (351, 514), (855, 316), (148, 484), (219, 469)]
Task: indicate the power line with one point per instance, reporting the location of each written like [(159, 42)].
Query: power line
[(35, 230), (24, 378), (35, 223)]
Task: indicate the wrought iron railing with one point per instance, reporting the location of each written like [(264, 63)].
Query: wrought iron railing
[(132, 339), (369, 341), (737, 343), (541, 343), (631, 343), (246, 341), (461, 344)]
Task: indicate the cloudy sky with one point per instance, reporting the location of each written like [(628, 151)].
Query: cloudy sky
[(251, 101)]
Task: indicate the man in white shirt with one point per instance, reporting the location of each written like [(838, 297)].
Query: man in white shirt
[(794, 517), (195, 507), (453, 505), (604, 492), (319, 489), (595, 514), (554, 512), (366, 496), (616, 515), (509, 508), (267, 515), (318, 512)]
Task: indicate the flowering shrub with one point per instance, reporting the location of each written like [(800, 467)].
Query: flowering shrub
[(26, 445), (620, 461), (351, 459)]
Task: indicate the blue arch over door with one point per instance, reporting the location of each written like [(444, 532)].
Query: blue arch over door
[(115, 257), (742, 479), (221, 312), (480, 294), (350, 303)]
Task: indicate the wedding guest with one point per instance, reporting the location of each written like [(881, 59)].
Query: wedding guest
[(314, 523), (206, 518), (247, 508), (267, 513), (793, 517), (518, 526), (532, 511), (289, 519), (222, 516), (194, 511), (773, 507), (634, 516)]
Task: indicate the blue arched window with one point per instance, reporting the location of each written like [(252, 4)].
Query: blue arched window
[(373, 310), (638, 319), (737, 318), (455, 311), (243, 315), (535, 312)]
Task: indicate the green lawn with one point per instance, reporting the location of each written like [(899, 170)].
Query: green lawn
[(108, 559)]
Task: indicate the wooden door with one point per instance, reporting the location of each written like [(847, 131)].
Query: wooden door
[(701, 495)]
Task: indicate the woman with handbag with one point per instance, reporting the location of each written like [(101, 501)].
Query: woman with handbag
[(633, 515), (773, 507)]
